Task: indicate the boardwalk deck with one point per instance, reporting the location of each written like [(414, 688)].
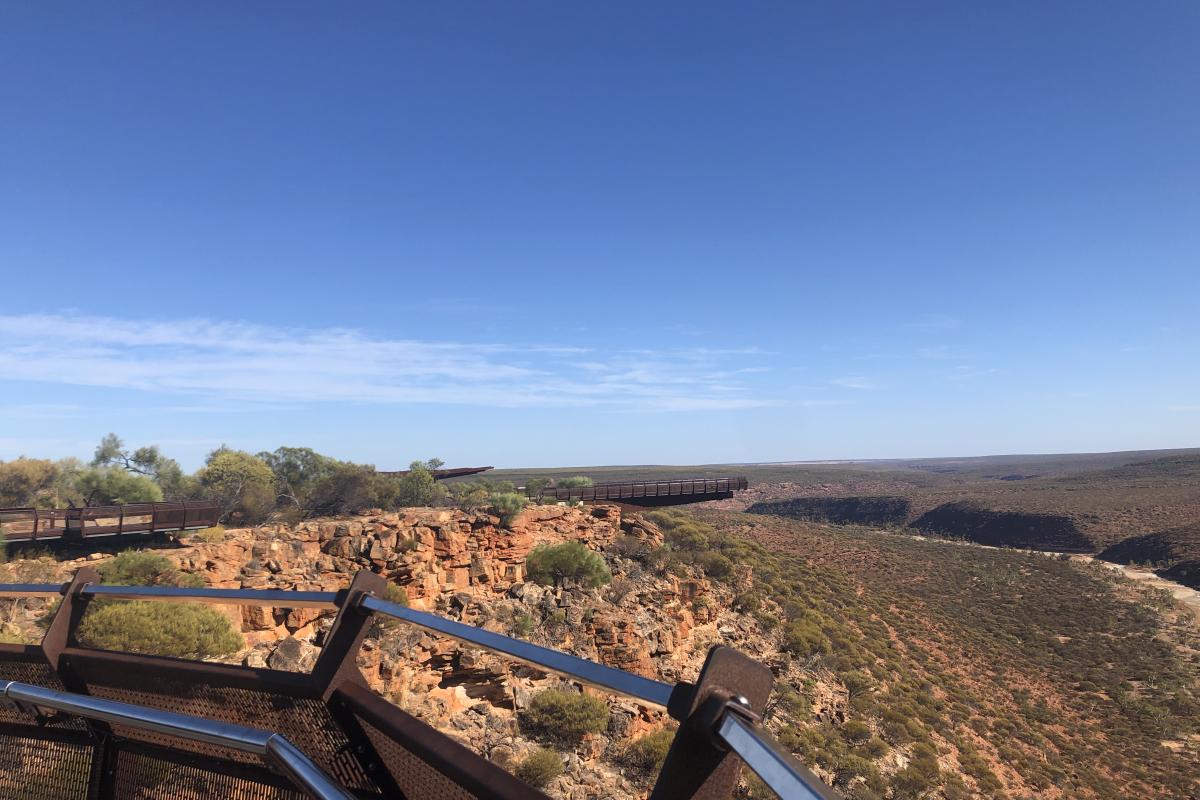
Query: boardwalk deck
[(77, 524), (649, 493)]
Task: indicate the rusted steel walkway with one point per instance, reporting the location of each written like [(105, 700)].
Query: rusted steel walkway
[(77, 524), (439, 474), (650, 493)]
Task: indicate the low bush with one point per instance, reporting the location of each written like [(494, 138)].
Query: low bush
[(549, 564), (144, 568), (714, 564), (182, 630), (647, 754), (574, 482), (540, 767), (856, 732), (209, 535), (507, 505), (522, 626), (564, 717)]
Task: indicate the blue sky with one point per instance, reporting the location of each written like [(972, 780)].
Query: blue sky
[(563, 233)]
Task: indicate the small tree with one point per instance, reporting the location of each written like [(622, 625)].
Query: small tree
[(348, 488), (147, 461), (101, 486), (27, 482), (507, 505), (241, 484), (297, 471), (548, 564), (564, 717), (419, 487)]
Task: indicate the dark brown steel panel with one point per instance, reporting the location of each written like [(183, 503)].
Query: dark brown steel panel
[(696, 769), (446, 769)]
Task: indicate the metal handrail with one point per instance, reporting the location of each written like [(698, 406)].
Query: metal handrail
[(227, 597), (273, 747), (614, 680), (777, 768)]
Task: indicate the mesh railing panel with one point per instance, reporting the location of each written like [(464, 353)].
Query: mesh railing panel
[(37, 769), (305, 721), (39, 674), (414, 777), (143, 777)]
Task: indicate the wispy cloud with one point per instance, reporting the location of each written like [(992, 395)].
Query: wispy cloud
[(855, 382), (220, 363), (1191, 408), (32, 411)]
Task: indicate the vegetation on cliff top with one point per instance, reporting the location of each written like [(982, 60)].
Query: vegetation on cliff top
[(564, 717), (1027, 674), (182, 630)]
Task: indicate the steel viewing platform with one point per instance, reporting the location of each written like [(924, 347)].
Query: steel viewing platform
[(648, 493), (86, 724)]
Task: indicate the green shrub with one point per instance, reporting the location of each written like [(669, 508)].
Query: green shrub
[(507, 505), (101, 486), (921, 774), (419, 487), (648, 753), (522, 625), (548, 564), (242, 485), (540, 767), (564, 717), (856, 732), (574, 482), (396, 594), (803, 638), (714, 564), (211, 535), (182, 630), (382, 622), (144, 568)]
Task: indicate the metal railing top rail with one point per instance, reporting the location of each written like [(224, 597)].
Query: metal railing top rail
[(776, 767), (589, 672), (272, 747), (164, 505), (285, 598)]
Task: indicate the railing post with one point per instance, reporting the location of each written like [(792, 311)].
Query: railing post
[(59, 636), (337, 667), (696, 768), (61, 631)]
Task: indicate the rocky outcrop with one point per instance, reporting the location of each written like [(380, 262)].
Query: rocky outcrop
[(1051, 532)]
